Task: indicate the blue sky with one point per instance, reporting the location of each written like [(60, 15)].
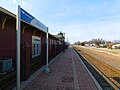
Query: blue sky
[(81, 20)]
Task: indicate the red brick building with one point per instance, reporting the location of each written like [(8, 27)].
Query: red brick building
[(33, 47)]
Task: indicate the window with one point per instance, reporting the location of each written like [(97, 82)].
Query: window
[(36, 46)]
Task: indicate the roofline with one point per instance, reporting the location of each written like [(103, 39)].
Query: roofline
[(7, 12), (54, 36), (14, 16)]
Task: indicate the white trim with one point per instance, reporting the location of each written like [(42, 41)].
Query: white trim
[(34, 49)]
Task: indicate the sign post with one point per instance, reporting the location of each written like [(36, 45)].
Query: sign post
[(18, 27), (25, 16), (47, 70)]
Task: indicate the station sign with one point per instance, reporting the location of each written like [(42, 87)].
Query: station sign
[(25, 16)]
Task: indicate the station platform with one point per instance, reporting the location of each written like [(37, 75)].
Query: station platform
[(67, 73)]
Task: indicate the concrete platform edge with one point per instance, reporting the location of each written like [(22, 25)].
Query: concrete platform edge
[(94, 80)]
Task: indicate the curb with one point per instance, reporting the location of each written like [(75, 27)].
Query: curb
[(94, 80)]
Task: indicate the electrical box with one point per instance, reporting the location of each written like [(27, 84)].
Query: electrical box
[(5, 65)]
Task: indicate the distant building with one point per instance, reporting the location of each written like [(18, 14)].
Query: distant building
[(116, 46), (101, 45), (90, 45)]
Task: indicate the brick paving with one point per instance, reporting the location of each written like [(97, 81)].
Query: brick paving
[(67, 73)]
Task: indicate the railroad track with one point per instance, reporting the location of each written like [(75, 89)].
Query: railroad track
[(105, 81)]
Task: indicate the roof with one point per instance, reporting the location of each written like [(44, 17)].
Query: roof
[(14, 16), (7, 12), (58, 36), (116, 45), (53, 36)]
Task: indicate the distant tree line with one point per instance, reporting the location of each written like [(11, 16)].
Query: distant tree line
[(97, 42)]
